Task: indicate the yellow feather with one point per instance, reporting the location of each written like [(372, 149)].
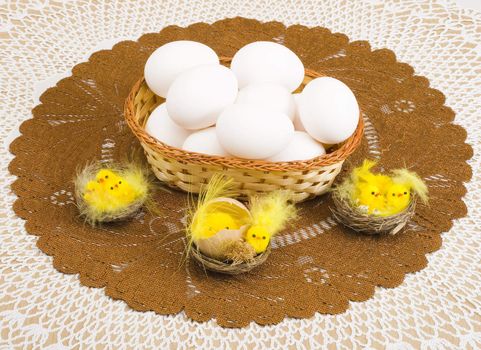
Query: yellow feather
[(412, 181), (364, 189), (363, 173), (398, 197), (272, 211)]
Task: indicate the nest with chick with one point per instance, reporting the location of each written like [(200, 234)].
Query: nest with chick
[(109, 208), (228, 237), (358, 220), (376, 203)]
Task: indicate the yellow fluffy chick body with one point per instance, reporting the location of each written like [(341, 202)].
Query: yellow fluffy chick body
[(258, 237), (270, 214), (368, 188), (370, 197), (213, 223), (404, 184), (110, 192), (216, 214), (214, 211), (398, 197)]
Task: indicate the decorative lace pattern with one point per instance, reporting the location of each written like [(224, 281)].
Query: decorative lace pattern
[(397, 98)]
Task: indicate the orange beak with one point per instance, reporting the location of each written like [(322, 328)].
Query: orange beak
[(399, 194), (101, 180)]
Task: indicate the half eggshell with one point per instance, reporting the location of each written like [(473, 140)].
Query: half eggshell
[(214, 246)]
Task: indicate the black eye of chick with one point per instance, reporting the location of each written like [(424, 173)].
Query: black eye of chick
[(405, 193), (263, 237), (227, 227), (120, 182), (106, 176), (393, 194), (372, 193), (253, 235), (111, 188)]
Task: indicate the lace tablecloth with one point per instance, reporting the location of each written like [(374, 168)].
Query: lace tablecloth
[(438, 307)]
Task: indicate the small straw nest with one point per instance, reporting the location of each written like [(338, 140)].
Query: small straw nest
[(359, 221), (94, 216), (231, 266), (237, 246), (226, 252)]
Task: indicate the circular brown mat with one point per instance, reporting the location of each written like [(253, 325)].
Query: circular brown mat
[(316, 267)]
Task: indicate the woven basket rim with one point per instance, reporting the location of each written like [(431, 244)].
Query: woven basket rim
[(226, 268), (340, 154)]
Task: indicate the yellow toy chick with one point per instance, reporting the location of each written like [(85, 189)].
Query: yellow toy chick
[(112, 194), (369, 188), (270, 214), (398, 195)]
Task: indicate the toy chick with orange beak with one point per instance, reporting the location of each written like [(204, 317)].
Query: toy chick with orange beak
[(270, 214)]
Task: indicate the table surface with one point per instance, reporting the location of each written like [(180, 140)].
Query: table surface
[(438, 307)]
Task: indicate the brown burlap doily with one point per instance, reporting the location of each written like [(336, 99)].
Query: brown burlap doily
[(316, 267)]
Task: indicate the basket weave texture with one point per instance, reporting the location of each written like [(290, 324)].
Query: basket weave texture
[(189, 170)]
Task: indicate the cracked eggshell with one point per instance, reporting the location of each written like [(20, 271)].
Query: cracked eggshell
[(214, 246)]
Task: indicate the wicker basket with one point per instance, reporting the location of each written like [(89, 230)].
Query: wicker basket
[(189, 170), (370, 224), (227, 267)]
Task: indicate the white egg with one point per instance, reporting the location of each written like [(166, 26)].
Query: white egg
[(269, 95), (171, 59), (253, 132), (328, 110), (297, 119), (267, 62), (161, 126), (197, 97), (301, 147), (204, 141)]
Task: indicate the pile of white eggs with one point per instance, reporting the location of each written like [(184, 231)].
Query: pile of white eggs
[(248, 111)]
